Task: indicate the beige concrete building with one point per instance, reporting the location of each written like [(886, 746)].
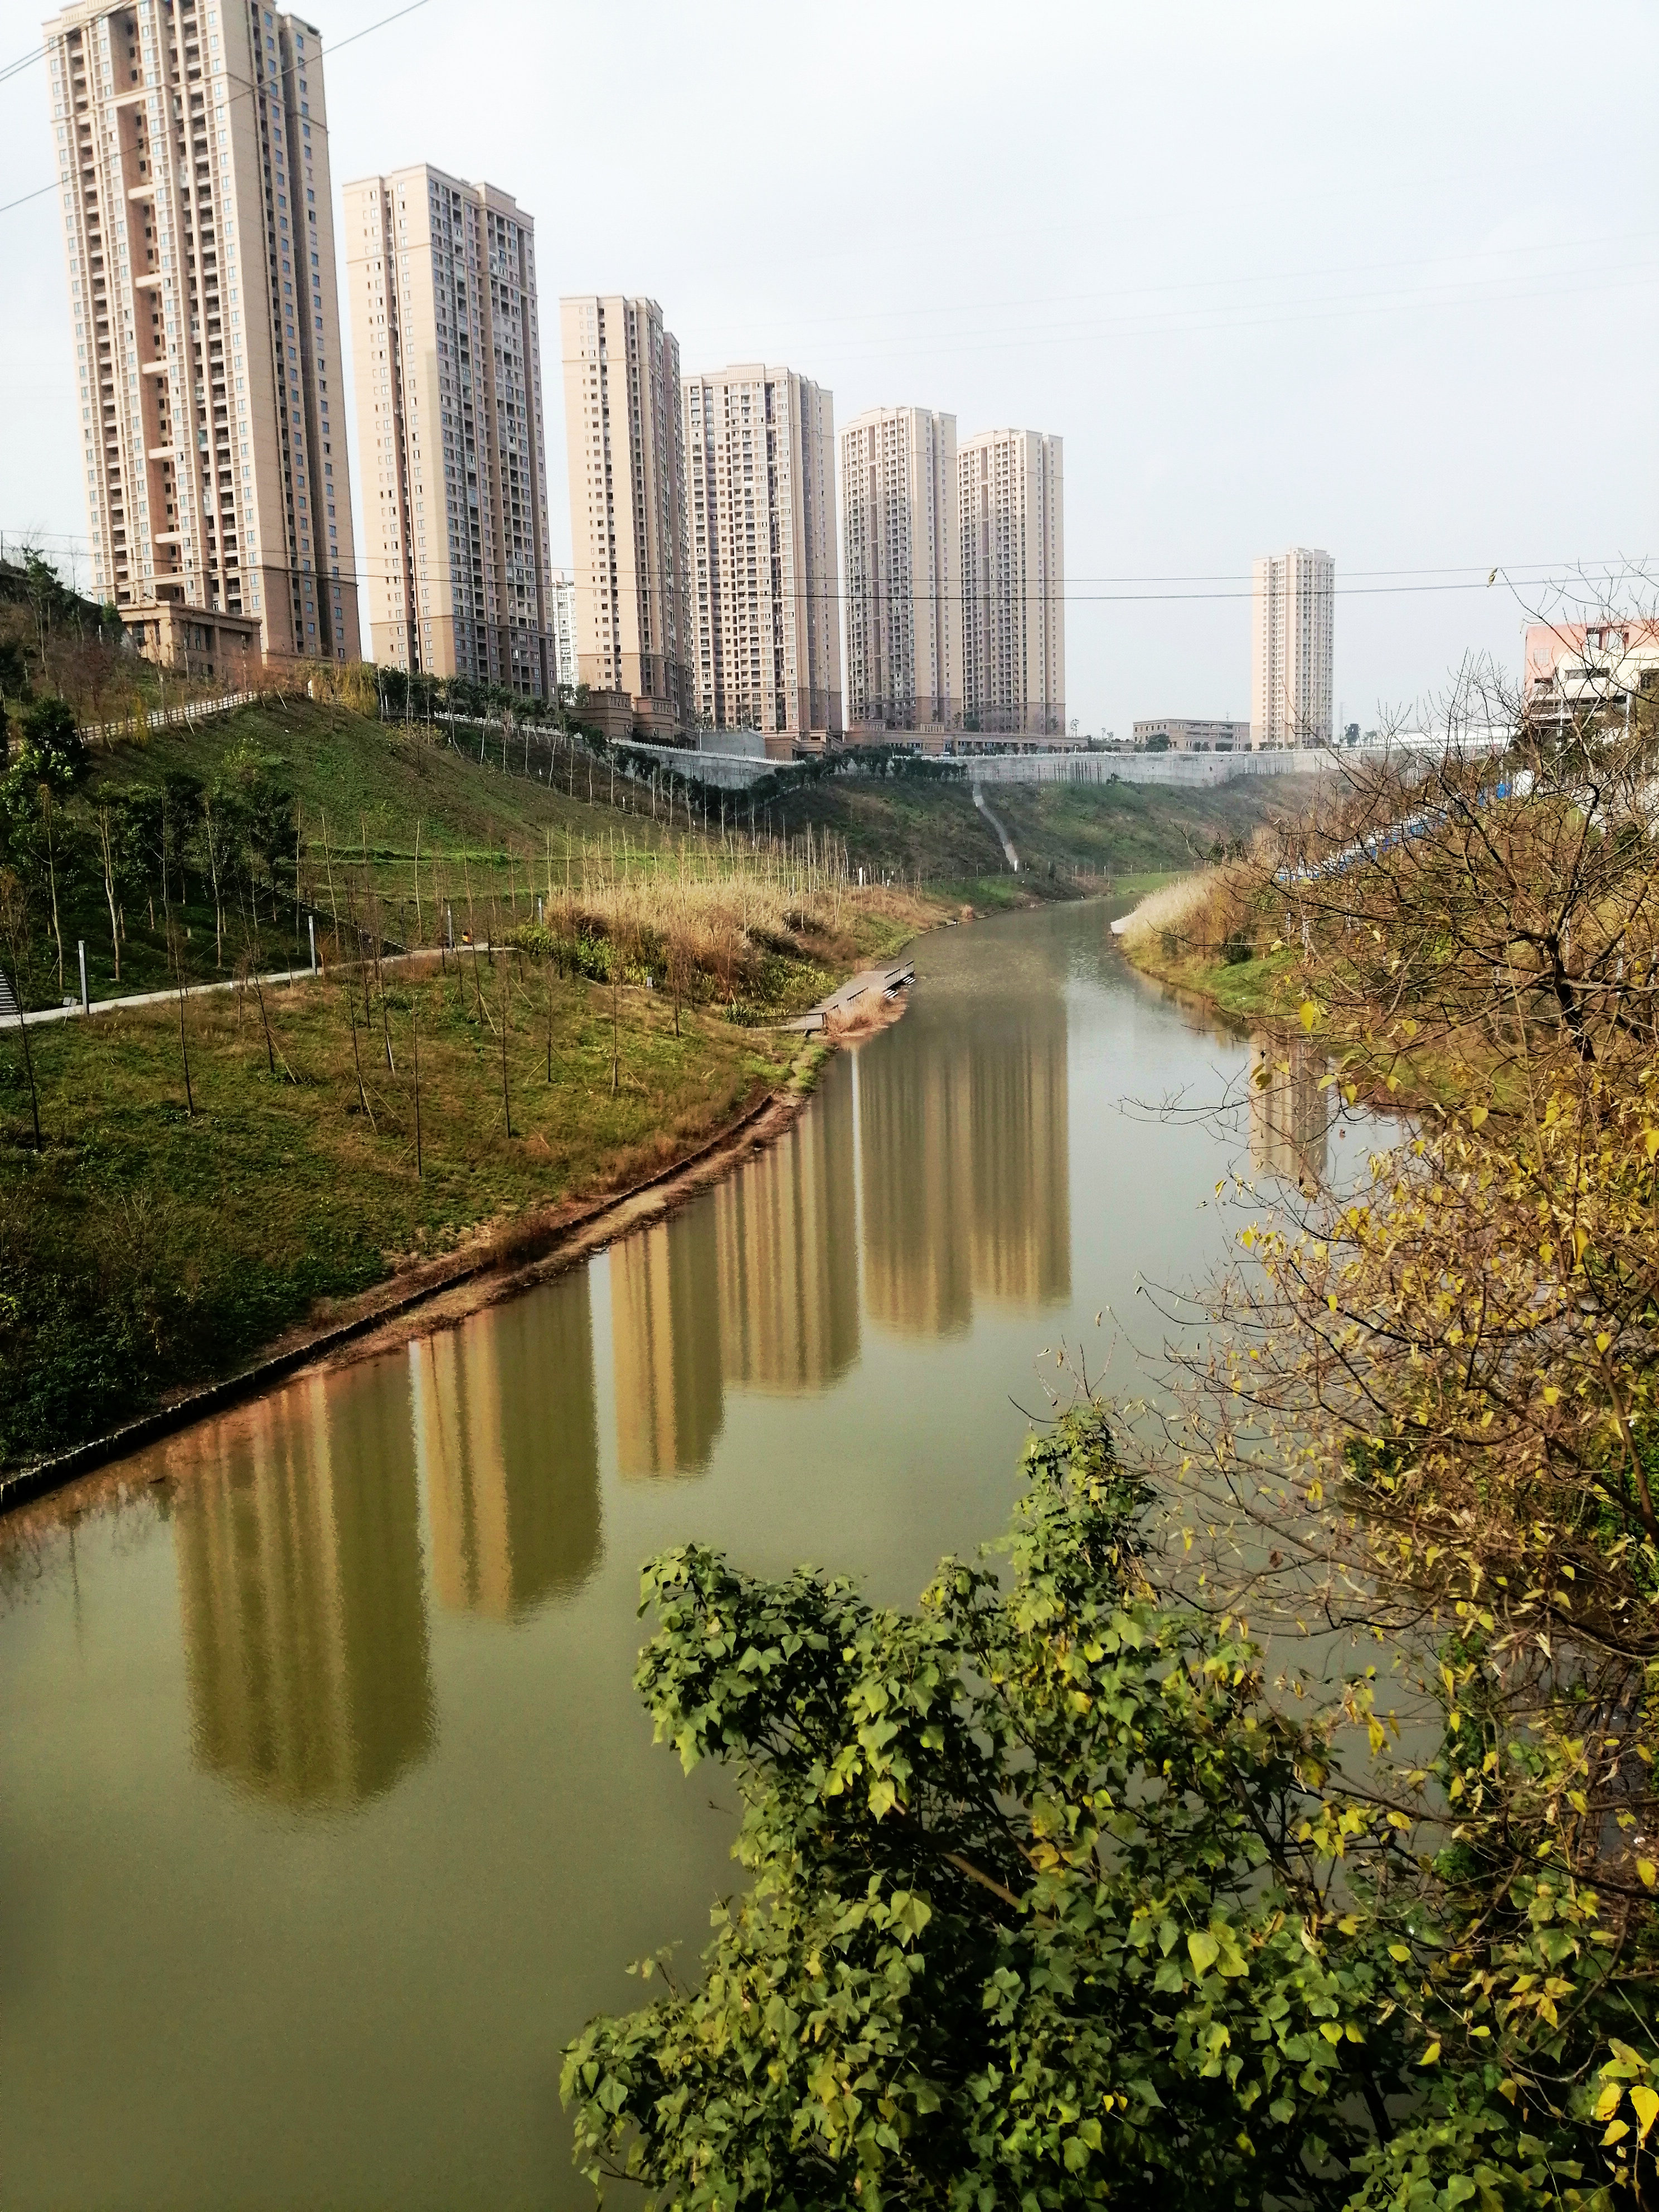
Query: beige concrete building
[(624, 432), (446, 351), (195, 641), (564, 629), (1177, 733), (761, 512), (900, 538), (1291, 630), (1012, 572), (192, 159)]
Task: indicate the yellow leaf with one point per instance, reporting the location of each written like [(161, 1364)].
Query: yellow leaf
[(1430, 2056), (1648, 1871), (1477, 1115), (1203, 1948), (1644, 2103), (1615, 2129), (1607, 2103), (1551, 1395), (1310, 1013), (1651, 1138)]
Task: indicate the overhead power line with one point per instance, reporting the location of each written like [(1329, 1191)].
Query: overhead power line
[(1529, 576), (247, 90)]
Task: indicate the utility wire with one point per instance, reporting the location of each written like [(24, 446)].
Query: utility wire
[(248, 90), (1516, 578)]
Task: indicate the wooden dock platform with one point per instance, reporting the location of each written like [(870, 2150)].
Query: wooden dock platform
[(859, 995)]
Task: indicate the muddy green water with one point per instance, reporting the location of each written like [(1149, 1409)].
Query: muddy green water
[(326, 1810)]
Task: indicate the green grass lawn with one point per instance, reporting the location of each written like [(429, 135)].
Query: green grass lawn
[(147, 1247)]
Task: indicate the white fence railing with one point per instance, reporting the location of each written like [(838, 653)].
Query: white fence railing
[(163, 717)]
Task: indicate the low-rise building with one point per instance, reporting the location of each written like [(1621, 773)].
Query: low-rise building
[(1576, 669), (1175, 734), (195, 641)]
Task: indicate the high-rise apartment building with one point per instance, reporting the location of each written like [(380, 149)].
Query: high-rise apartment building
[(193, 157), (1012, 583), (900, 536), (564, 629), (1291, 640), (625, 433), (765, 638), (447, 354)]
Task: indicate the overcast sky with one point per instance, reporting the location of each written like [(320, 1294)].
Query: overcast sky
[(1376, 277)]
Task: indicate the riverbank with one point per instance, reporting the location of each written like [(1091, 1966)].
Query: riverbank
[(1198, 935), (203, 846), (225, 1188)]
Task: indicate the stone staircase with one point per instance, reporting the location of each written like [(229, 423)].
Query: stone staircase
[(9, 1011)]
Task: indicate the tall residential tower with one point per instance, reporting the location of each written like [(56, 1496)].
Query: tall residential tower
[(625, 433), (1013, 584), (193, 157), (1292, 649), (447, 355), (761, 505), (900, 531)]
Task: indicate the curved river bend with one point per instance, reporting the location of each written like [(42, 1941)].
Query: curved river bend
[(327, 1811)]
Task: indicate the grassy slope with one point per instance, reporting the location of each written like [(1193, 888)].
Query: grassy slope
[(361, 783), (361, 774), (1132, 828), (145, 1248), (1115, 830)]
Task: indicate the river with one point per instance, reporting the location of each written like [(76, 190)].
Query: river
[(327, 1811)]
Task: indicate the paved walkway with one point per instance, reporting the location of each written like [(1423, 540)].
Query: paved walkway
[(9, 1018), (1001, 827)]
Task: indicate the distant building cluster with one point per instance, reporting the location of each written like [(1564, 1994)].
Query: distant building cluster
[(736, 566), (955, 578), (942, 595)]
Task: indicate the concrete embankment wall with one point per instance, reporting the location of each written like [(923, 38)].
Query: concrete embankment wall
[(1179, 771)]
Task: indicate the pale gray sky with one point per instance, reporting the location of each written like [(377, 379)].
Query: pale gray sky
[(1379, 277)]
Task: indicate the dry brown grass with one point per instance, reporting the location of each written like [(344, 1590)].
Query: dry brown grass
[(1199, 912)]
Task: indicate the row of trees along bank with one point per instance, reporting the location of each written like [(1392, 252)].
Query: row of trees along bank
[(1272, 1823), (184, 877)]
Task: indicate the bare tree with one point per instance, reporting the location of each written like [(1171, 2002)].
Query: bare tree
[(14, 933)]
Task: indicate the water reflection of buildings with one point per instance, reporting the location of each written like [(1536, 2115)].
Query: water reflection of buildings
[(754, 1285), (666, 1345), (965, 1142), (786, 1231), (506, 1436), (959, 1132), (1289, 1114), (300, 1586)]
